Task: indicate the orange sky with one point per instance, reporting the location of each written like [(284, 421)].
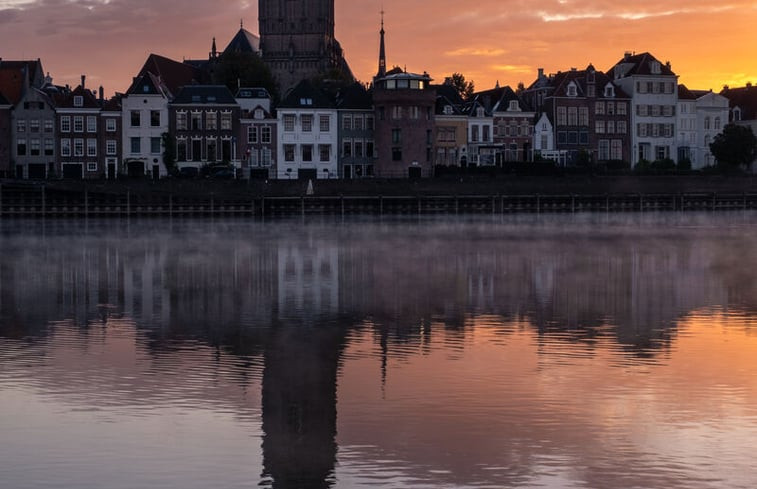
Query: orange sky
[(708, 44)]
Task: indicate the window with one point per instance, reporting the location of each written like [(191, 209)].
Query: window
[(513, 106), (599, 108), (572, 137), (610, 108), (34, 125), (265, 134), (600, 127), (357, 123), (110, 147), (668, 110), (181, 121), (226, 121), (572, 91), (604, 149), (91, 147), (656, 110), (211, 149), (346, 148), (347, 122), (47, 126), (621, 127), (620, 108), (325, 123), (641, 130), (616, 149), (289, 152), (642, 110), (707, 122), (562, 137), (196, 149), (65, 124), (92, 166), (91, 123), (414, 112), (259, 114), (369, 122), (65, 147), (358, 149), (21, 125), (181, 150), (196, 121), (562, 118), (396, 154), (325, 152), (155, 146), (135, 118), (252, 135), (661, 152), (396, 136), (485, 134), (370, 150), (609, 91), (78, 124), (49, 147), (34, 147), (307, 152), (78, 101), (154, 118), (610, 127), (289, 123), (266, 157), (583, 137), (473, 135), (136, 145), (78, 147), (211, 121), (396, 112), (254, 157), (572, 116), (717, 124), (307, 122), (110, 125), (583, 116)]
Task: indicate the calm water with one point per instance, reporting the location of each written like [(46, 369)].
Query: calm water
[(532, 351)]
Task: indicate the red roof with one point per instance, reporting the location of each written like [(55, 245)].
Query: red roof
[(172, 73), (12, 84)]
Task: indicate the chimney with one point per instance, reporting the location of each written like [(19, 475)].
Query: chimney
[(83, 80), (626, 55), (102, 94), (541, 73)]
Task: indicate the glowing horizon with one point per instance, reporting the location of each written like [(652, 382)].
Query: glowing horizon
[(503, 41)]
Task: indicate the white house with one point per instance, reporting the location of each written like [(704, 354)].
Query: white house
[(653, 88), (144, 110), (712, 117), (307, 135)]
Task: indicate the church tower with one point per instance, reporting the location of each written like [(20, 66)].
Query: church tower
[(297, 40)]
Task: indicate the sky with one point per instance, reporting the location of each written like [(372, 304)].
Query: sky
[(709, 44)]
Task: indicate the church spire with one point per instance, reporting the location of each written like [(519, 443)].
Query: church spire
[(382, 50)]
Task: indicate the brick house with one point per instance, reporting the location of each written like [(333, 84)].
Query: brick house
[(258, 133), (357, 149), (78, 139)]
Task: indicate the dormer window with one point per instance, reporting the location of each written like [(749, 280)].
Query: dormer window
[(196, 98), (513, 105), (78, 101), (590, 76), (447, 110), (146, 88), (655, 68), (480, 112), (306, 101), (259, 114), (736, 114), (572, 90), (609, 91)]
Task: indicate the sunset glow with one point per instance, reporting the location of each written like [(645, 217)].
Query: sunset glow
[(489, 41)]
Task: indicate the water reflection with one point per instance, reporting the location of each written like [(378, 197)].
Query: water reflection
[(519, 352)]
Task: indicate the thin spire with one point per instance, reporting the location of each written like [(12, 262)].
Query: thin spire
[(241, 23), (382, 50)]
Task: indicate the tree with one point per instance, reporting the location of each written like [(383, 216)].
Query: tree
[(736, 146), (241, 69), (464, 88)]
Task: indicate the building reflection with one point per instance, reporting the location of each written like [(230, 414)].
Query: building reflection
[(295, 298)]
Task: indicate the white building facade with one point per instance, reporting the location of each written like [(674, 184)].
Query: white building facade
[(144, 121)]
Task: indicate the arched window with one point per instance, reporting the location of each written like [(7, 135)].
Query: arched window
[(717, 123), (707, 122)]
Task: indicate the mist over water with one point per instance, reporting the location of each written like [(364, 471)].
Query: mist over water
[(556, 351)]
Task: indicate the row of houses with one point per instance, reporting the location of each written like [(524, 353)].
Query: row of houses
[(400, 125)]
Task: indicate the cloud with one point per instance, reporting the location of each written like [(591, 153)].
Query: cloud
[(469, 51)]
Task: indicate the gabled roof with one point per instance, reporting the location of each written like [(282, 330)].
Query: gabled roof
[(205, 94), (508, 95), (31, 67), (173, 74), (470, 108), (306, 96), (147, 84), (686, 94), (745, 98), (449, 92), (243, 42), (640, 64), (12, 84), (354, 97), (66, 100)]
